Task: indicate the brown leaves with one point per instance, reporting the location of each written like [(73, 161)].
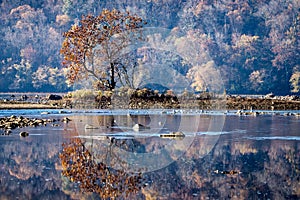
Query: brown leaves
[(79, 166), (91, 31)]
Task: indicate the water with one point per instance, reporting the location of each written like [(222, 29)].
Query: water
[(220, 157)]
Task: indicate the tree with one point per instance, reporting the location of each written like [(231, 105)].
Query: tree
[(21, 78), (30, 39), (295, 80), (93, 46)]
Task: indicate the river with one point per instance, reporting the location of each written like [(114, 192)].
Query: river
[(221, 156)]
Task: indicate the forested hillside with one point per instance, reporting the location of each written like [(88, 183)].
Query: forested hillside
[(253, 43)]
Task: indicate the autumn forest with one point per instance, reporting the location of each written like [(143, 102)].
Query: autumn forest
[(254, 44)]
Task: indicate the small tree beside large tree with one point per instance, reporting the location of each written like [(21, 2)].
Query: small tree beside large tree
[(94, 46)]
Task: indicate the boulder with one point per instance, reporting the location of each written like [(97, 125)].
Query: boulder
[(24, 134), (139, 127), (54, 97)]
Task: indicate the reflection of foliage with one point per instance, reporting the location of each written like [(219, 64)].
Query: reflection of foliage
[(78, 164)]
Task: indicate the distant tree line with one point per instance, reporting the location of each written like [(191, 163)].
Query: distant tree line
[(254, 44)]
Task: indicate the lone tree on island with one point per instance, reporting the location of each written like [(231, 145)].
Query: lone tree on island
[(94, 45)]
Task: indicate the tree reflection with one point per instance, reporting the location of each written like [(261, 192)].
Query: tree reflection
[(80, 167)]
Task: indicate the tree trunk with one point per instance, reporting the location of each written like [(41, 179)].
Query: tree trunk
[(112, 77)]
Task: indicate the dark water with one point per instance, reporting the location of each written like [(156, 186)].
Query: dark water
[(220, 157)]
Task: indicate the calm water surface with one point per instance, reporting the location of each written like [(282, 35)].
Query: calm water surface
[(220, 157)]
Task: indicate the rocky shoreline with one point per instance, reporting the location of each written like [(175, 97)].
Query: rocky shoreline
[(7, 124), (264, 103), (149, 99), (166, 102)]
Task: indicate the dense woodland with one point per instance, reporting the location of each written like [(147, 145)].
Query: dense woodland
[(253, 43)]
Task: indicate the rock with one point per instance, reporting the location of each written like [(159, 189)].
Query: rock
[(269, 96), (13, 122), (62, 112), (139, 127), (39, 121), (24, 134), (54, 97), (66, 120), (20, 118), (239, 112), (88, 126), (8, 132), (255, 113), (287, 114), (24, 97), (45, 113), (13, 117), (177, 134), (51, 120)]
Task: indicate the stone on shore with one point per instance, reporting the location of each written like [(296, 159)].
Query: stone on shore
[(10, 123)]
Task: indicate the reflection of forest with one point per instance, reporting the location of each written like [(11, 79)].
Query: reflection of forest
[(29, 168), (268, 169)]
